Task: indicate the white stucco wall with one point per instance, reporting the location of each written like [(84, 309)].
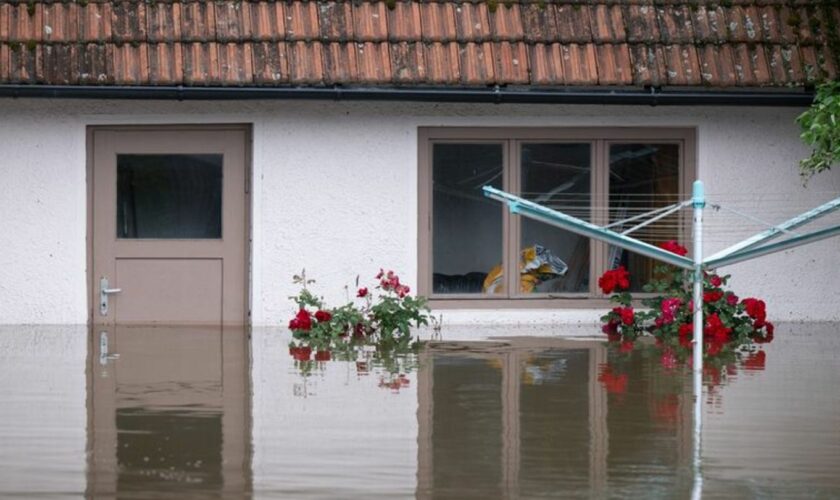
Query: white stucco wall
[(335, 192)]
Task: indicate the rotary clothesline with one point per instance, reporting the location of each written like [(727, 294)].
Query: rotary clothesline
[(750, 248)]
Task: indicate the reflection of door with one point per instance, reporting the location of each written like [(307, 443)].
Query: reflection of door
[(170, 415), (169, 225)]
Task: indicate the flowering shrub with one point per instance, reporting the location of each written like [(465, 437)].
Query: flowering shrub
[(730, 323), (391, 313)]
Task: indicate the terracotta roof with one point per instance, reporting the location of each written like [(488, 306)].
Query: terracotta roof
[(551, 43)]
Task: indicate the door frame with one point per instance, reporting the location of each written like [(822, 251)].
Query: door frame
[(247, 128)]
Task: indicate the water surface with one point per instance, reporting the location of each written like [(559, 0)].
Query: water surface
[(204, 412)]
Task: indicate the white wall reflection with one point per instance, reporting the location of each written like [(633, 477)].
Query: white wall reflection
[(334, 434), (43, 413)]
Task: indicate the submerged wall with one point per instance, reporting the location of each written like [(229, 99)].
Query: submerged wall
[(335, 192)]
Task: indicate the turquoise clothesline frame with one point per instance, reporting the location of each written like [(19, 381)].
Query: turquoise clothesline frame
[(750, 248)]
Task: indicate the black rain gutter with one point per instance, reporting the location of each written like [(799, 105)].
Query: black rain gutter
[(497, 95)]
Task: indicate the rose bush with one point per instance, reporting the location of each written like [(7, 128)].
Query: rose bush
[(391, 313), (730, 326), (372, 328)]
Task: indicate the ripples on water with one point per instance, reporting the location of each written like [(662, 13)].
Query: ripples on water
[(198, 412)]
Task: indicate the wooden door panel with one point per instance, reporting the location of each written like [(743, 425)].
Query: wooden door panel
[(167, 291)]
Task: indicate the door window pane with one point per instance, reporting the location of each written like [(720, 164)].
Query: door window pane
[(169, 196), (643, 177), (467, 226), (558, 176)]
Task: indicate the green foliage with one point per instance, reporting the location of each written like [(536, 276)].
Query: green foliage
[(393, 314), (821, 131)]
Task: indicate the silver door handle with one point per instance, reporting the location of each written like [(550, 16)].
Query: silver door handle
[(104, 291)]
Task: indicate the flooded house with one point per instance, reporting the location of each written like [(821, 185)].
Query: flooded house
[(167, 167)]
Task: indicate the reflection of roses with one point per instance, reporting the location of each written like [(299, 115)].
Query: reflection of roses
[(301, 353), (668, 359), (667, 409), (755, 361), (322, 356), (614, 383)]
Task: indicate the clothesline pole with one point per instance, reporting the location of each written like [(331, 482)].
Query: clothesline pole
[(698, 202)]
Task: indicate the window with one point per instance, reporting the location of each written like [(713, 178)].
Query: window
[(473, 249)]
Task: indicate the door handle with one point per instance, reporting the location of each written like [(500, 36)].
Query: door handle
[(104, 292)]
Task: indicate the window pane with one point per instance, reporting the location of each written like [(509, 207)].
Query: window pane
[(169, 196), (643, 177), (558, 176), (467, 226)]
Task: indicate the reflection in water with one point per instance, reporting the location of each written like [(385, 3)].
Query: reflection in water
[(173, 415), (169, 412)]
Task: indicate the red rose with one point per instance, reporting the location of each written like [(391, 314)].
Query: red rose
[(323, 316), (755, 308), (611, 329), (713, 348), (301, 321), (716, 329), (614, 279), (359, 330), (712, 296), (674, 247), (322, 356), (715, 280), (731, 299), (669, 308), (362, 292), (626, 313), (686, 329), (768, 336)]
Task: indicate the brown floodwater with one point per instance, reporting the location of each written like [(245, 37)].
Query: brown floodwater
[(139, 413)]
